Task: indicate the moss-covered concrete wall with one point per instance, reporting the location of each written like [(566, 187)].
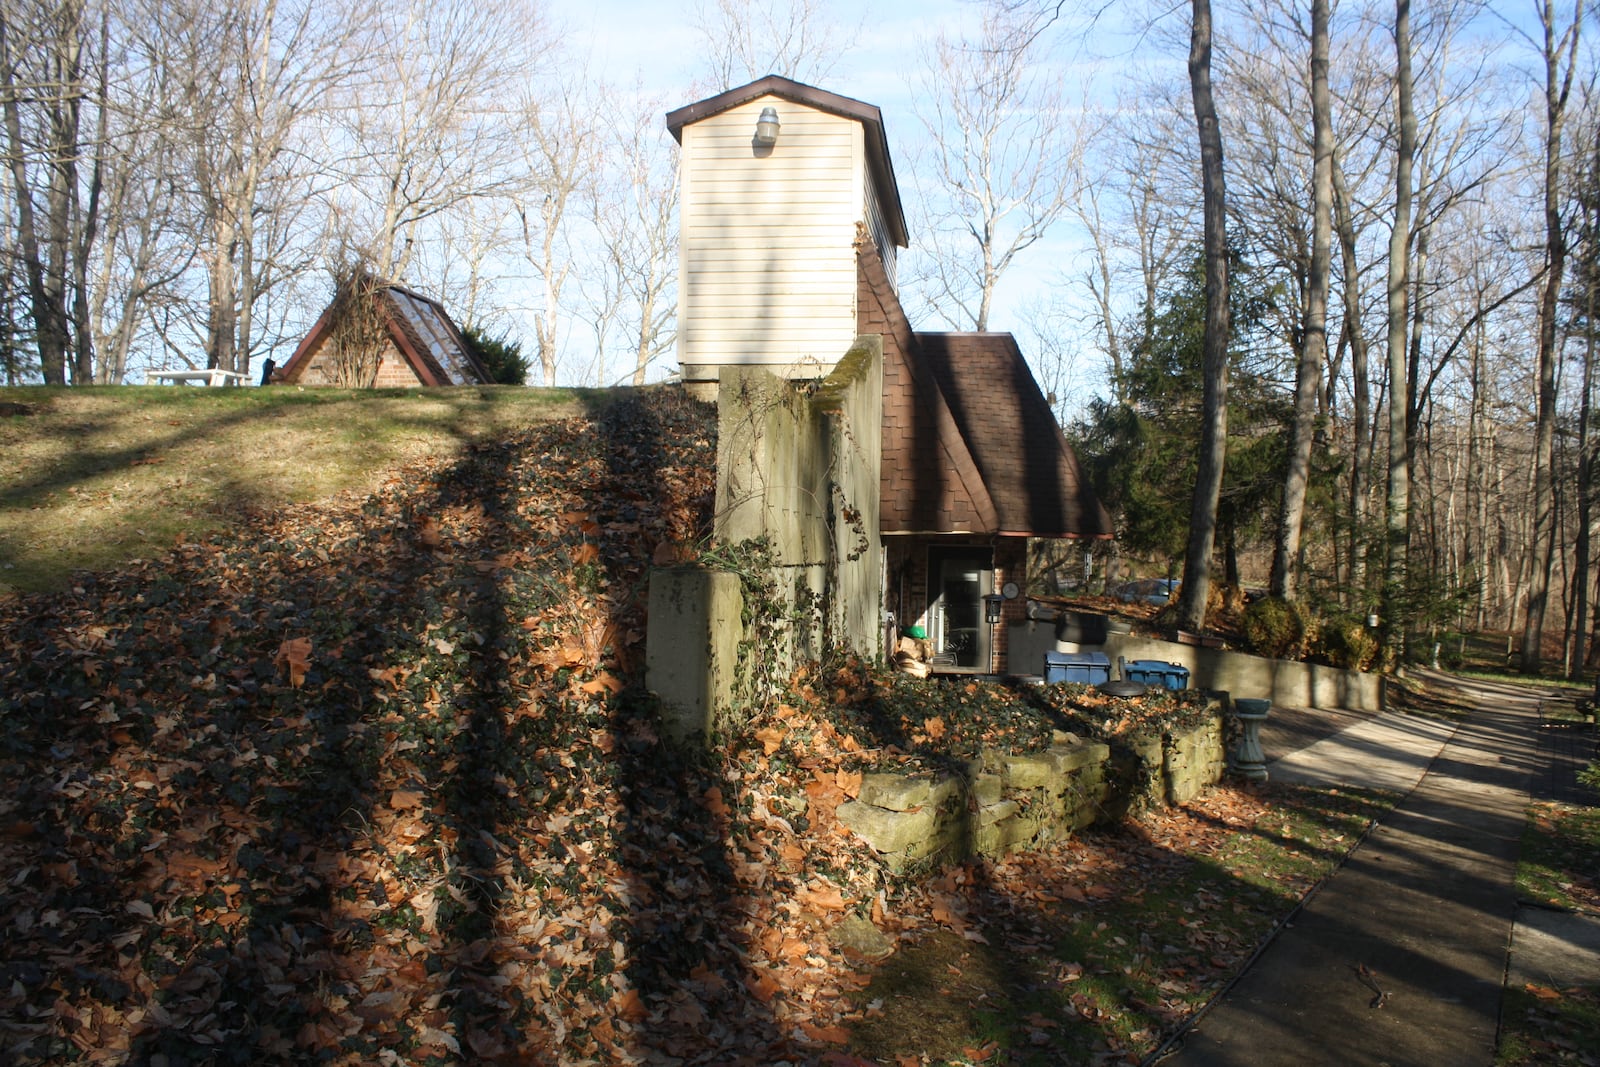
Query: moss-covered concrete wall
[(850, 401), (798, 464), (692, 648), (798, 467)]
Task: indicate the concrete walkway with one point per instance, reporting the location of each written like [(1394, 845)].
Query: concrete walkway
[(1400, 958)]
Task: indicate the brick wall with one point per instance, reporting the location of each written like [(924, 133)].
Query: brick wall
[(393, 371)]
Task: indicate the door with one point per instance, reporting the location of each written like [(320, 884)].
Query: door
[(959, 578)]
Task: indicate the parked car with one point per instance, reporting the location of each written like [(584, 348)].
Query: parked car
[(1146, 590)]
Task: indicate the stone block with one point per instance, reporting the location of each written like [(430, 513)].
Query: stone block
[(857, 936), (1195, 760), (1006, 802), (987, 788), (887, 831), (990, 814), (1069, 758), (1029, 772), (948, 793), (1005, 835), (950, 840), (897, 792)]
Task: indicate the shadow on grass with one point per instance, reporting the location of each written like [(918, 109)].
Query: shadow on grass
[(188, 461)]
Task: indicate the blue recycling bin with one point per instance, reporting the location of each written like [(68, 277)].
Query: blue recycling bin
[(1084, 668), (1159, 673)]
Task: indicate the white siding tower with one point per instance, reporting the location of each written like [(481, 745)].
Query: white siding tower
[(767, 269)]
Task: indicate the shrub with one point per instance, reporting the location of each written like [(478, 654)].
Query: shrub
[(1279, 629), (1347, 643), (1220, 601), (501, 357), (1590, 776)]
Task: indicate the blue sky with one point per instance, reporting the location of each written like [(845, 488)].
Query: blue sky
[(659, 40)]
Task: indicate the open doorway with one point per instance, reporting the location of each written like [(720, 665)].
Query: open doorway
[(958, 580)]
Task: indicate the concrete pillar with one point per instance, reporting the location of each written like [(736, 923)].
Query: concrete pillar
[(691, 647)]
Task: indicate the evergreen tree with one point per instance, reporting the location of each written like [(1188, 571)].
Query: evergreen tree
[(501, 357), (1140, 453)]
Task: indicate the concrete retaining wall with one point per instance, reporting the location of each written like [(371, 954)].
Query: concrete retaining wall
[(1286, 683), (1001, 803), (797, 465)]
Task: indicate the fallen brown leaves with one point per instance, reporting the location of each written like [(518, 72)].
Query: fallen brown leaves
[(373, 782)]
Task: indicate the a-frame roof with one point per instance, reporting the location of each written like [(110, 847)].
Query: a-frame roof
[(422, 331), (1030, 471), (970, 445), (879, 163)]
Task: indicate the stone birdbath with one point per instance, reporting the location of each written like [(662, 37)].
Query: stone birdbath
[(1248, 760)]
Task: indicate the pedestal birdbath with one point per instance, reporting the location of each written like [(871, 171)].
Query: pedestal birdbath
[(1248, 759)]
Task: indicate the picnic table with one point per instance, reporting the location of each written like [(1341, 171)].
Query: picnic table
[(209, 377)]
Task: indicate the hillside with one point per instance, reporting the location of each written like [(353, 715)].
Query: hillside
[(373, 780), (315, 773)]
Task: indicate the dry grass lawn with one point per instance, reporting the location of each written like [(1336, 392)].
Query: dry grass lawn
[(92, 477)]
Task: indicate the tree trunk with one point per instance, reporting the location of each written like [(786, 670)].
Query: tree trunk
[(1214, 409), (1397, 517), (1478, 559), (83, 247), (1314, 342), (1361, 387), (1418, 385), (1581, 549), (642, 352), (1555, 102), (46, 294)]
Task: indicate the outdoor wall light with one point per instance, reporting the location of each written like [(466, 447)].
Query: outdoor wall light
[(991, 607), (767, 127)]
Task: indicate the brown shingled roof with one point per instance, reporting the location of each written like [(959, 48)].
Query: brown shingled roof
[(929, 482), (970, 444), (1025, 462)]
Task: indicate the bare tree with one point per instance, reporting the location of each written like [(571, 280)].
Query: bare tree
[(466, 262), (749, 39), (634, 210), (1398, 500), (1005, 155), (238, 86), (1314, 334), (560, 154), (1214, 403), (143, 250), (1588, 304), (437, 124), (1138, 219), (42, 48), (1557, 43)]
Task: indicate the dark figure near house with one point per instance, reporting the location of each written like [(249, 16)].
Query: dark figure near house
[(266, 371)]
